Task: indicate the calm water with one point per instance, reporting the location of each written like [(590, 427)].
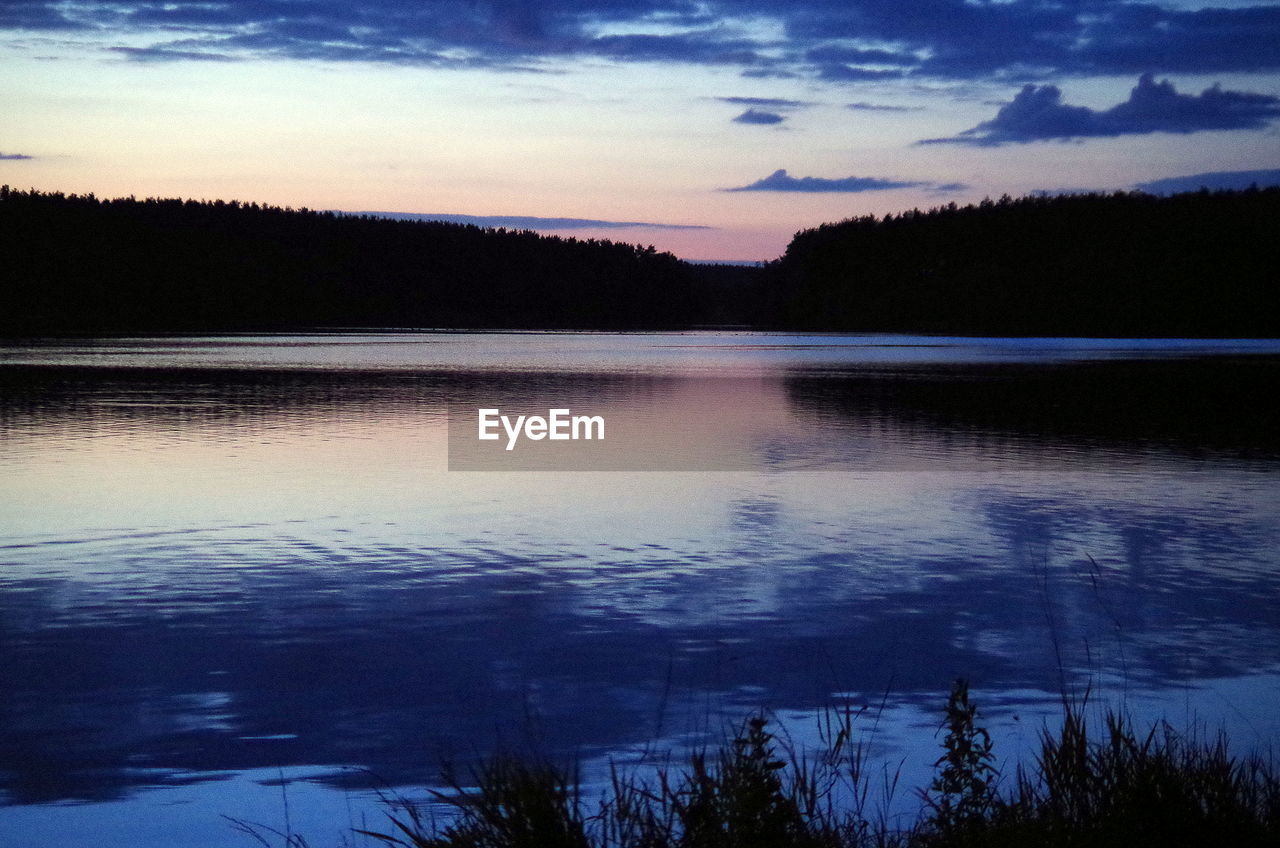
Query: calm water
[(232, 563)]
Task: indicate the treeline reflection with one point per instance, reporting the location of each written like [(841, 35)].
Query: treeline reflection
[(173, 653)]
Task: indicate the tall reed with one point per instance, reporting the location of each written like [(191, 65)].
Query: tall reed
[(1117, 787)]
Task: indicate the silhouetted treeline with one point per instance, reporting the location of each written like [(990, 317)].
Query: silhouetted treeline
[(78, 264), (1125, 264)]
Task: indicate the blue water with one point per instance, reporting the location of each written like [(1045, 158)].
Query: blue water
[(231, 562)]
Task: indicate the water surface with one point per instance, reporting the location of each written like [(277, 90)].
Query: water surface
[(228, 562)]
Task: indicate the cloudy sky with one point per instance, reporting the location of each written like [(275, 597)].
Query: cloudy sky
[(711, 129)]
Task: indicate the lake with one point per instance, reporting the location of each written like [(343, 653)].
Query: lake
[(248, 576)]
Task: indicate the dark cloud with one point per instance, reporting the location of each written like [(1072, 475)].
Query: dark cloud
[(1037, 113), (780, 180), (35, 16), (1213, 180), (1136, 37), (528, 222), (769, 112), (14, 156), (755, 116), (850, 40)]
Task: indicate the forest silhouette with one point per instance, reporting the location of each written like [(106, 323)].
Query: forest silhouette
[(78, 264), (1199, 264), (1125, 264)]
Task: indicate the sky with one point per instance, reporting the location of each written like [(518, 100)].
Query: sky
[(714, 130)]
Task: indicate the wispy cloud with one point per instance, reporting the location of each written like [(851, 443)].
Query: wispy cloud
[(859, 57), (765, 102), (15, 156), (529, 222), (883, 107), (849, 73), (163, 54), (1037, 113), (780, 180)]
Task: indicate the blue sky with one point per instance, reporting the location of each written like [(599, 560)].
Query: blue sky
[(712, 129)]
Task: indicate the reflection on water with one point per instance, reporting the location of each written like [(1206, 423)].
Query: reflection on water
[(247, 554)]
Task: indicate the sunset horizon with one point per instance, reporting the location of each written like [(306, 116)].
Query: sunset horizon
[(721, 129)]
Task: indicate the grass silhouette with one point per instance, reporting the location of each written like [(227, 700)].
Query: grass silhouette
[(1112, 787)]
